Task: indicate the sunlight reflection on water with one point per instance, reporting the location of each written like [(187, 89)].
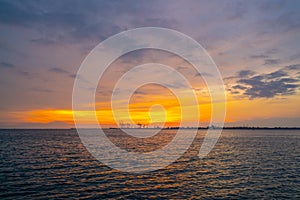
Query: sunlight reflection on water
[(55, 164)]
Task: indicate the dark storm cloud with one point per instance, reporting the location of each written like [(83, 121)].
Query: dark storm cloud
[(277, 83), (6, 65)]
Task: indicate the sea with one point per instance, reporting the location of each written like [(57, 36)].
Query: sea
[(244, 164)]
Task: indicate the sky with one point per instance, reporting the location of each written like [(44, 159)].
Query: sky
[(255, 45)]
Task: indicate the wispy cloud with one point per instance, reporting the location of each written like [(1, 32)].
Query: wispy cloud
[(59, 70), (44, 90), (6, 65), (260, 56), (272, 61)]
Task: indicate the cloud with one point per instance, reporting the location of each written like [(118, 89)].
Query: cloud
[(285, 17), (45, 41), (72, 75), (139, 92), (239, 87), (65, 72), (81, 78), (292, 67), (58, 70), (26, 74), (269, 85), (44, 90), (288, 21), (266, 56), (270, 5), (74, 21), (240, 74), (295, 56), (152, 21), (136, 56), (276, 74), (259, 56), (56, 22), (17, 71), (262, 88), (243, 73), (6, 65), (203, 74), (238, 10), (272, 61)]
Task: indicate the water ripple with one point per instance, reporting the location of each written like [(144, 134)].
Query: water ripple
[(39, 164)]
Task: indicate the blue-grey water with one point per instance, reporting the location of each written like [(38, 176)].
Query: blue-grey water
[(53, 164)]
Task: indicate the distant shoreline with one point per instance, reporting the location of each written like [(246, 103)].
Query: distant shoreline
[(170, 128), (226, 128)]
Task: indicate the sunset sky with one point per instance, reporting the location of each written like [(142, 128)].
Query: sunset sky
[(255, 45)]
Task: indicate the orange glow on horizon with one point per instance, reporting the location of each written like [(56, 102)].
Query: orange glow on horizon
[(168, 113), (163, 112)]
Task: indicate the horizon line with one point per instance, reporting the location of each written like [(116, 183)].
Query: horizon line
[(166, 128)]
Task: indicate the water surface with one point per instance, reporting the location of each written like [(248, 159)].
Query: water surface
[(43, 164)]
